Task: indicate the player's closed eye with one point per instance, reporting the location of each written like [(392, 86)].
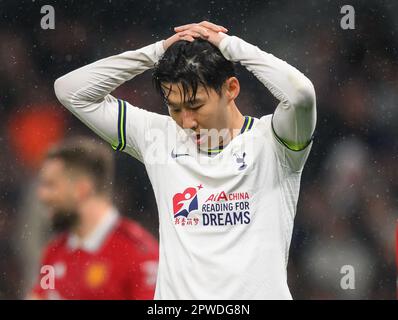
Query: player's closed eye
[(196, 107), (172, 109)]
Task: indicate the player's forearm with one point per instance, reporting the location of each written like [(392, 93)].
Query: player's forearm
[(93, 82), (284, 81), (295, 117)]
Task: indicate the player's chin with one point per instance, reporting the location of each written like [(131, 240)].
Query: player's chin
[(64, 220)]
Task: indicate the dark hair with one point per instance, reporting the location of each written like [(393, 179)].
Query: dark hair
[(192, 64), (87, 156)]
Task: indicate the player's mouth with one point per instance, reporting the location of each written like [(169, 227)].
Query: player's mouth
[(199, 139)]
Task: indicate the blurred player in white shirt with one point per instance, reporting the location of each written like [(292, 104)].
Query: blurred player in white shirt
[(226, 185)]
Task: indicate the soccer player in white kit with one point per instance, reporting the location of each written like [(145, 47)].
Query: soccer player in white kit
[(226, 211)]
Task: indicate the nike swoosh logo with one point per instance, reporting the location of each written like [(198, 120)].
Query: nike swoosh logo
[(176, 155)]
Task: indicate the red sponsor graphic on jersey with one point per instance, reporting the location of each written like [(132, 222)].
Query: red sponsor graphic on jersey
[(183, 204)]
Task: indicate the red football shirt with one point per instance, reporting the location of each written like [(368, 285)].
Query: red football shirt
[(119, 261)]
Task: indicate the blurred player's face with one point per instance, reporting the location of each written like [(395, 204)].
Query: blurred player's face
[(208, 115), (57, 190)]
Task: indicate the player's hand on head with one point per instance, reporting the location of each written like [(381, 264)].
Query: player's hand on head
[(192, 32), (205, 30), (204, 24), (189, 32), (188, 35), (169, 41)]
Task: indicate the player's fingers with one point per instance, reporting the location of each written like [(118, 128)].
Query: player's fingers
[(184, 27), (201, 30), (187, 38), (204, 33), (213, 27), (206, 24), (192, 33)]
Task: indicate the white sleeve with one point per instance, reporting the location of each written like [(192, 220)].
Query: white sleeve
[(294, 119), (86, 93)]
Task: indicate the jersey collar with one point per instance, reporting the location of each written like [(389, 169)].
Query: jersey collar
[(97, 237), (247, 125)]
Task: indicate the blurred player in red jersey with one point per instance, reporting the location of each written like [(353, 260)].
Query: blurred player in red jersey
[(99, 254)]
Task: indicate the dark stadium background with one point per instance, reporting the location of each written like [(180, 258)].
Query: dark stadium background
[(348, 206)]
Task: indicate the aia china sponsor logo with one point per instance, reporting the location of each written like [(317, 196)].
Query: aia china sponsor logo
[(226, 209), (223, 196)]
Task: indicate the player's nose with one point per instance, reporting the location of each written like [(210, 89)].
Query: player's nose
[(188, 119)]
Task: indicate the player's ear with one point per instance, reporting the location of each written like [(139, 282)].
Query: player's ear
[(232, 88)]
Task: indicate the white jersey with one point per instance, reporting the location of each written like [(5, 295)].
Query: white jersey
[(226, 220)]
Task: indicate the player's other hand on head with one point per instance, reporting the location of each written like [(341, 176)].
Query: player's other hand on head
[(204, 30), (169, 41)]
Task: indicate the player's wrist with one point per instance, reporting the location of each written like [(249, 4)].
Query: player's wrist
[(219, 38), (169, 41)]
